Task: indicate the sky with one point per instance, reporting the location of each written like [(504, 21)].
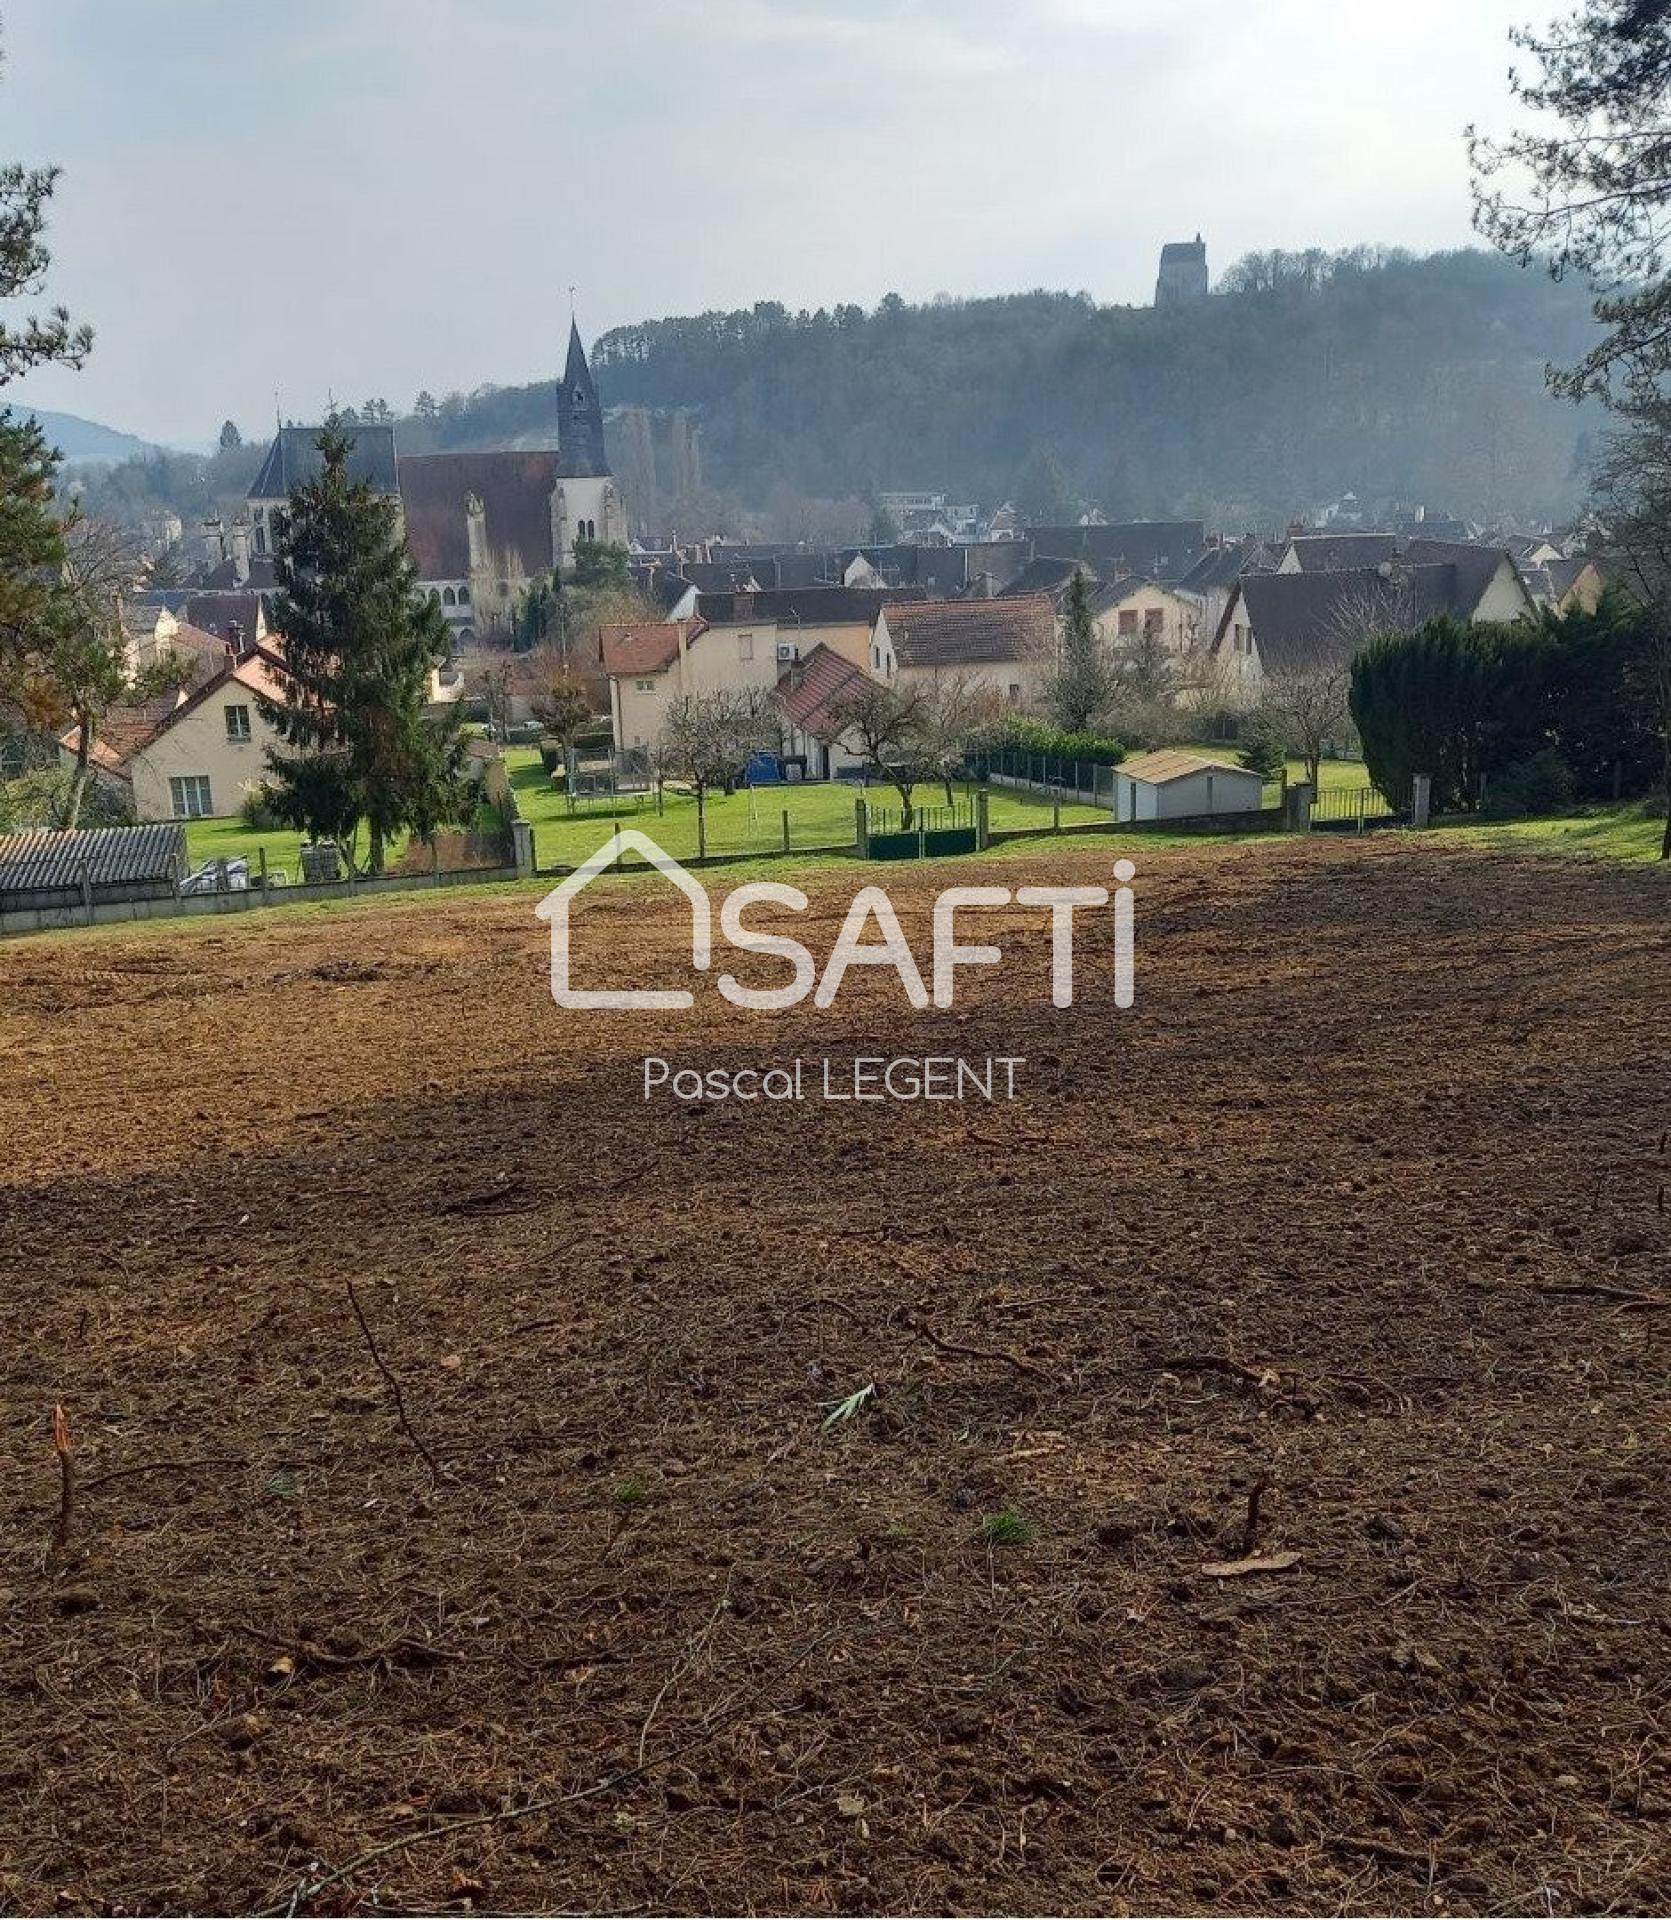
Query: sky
[(357, 198)]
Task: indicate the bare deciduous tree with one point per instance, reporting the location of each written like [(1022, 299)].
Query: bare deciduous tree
[(891, 725)]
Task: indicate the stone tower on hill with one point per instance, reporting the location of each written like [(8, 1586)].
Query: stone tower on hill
[(1183, 271)]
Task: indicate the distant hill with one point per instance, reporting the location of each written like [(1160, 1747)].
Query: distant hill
[(1302, 378), (78, 439)]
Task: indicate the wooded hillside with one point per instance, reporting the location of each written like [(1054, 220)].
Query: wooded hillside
[(1303, 377)]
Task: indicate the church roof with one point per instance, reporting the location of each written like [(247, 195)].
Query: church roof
[(515, 491), (294, 458), (579, 418)]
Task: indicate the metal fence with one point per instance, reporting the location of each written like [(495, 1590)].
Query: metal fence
[(1088, 782), (1355, 809)]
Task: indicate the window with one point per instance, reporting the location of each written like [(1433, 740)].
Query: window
[(237, 724), (1128, 619), (189, 795), (464, 596), (745, 646), (1015, 691), (1154, 622), (644, 686), (448, 597)]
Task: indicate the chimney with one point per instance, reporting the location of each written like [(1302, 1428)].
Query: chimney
[(235, 639), (238, 545), (214, 541)]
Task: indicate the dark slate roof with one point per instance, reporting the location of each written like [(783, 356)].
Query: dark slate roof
[(515, 490), (579, 417), (811, 606), (940, 571), (965, 633), (1163, 549), (1222, 565), (113, 856), (294, 458), (224, 578), (1045, 575), (217, 613), (814, 690), (1306, 620), (1339, 552)]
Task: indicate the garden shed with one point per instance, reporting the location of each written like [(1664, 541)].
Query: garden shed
[(1173, 785)]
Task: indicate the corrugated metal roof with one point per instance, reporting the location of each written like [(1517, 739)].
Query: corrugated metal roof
[(1156, 769), (112, 857)]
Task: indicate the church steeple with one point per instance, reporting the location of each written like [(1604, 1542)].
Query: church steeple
[(580, 452)]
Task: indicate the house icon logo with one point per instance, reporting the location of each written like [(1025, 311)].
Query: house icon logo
[(555, 909)]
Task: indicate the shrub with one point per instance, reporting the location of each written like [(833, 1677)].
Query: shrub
[(1540, 783), (257, 809), (551, 755), (1263, 750), (1059, 748)]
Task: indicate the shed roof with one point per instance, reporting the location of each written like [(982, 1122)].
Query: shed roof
[(48, 861), (1168, 763)]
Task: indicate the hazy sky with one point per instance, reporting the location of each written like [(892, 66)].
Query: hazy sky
[(368, 197)]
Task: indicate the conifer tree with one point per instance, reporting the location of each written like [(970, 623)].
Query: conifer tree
[(360, 639), (1082, 684)]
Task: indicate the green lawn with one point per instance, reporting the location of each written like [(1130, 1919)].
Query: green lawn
[(752, 821), (1627, 832), (229, 839)]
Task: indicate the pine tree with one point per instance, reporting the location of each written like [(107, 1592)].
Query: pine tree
[(360, 640), (1082, 684)]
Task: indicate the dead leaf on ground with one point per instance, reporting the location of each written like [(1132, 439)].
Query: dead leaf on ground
[(1254, 1563)]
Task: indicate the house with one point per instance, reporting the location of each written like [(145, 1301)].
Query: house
[(1161, 549), (1007, 645), (730, 642), (1564, 584), (1170, 785), (211, 747), (1210, 582), (811, 695), (1133, 609), (155, 640), (480, 527), (1301, 622)]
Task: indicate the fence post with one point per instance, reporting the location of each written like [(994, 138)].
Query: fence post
[(522, 847), (983, 819), (261, 857), (1296, 807), (1056, 814), (1421, 799), (786, 829), (702, 822), (861, 839), (87, 889), (435, 862)]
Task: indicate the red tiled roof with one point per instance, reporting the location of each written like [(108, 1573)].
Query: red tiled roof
[(648, 646), (813, 691), (960, 633)]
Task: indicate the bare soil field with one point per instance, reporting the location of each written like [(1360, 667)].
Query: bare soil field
[(1345, 1249)]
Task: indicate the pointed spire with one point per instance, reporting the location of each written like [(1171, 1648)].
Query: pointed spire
[(579, 417)]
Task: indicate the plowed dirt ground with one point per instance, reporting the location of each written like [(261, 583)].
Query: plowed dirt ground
[(1363, 1204)]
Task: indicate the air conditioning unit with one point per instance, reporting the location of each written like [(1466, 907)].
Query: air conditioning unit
[(788, 650)]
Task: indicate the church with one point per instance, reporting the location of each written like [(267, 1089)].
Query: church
[(480, 526)]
